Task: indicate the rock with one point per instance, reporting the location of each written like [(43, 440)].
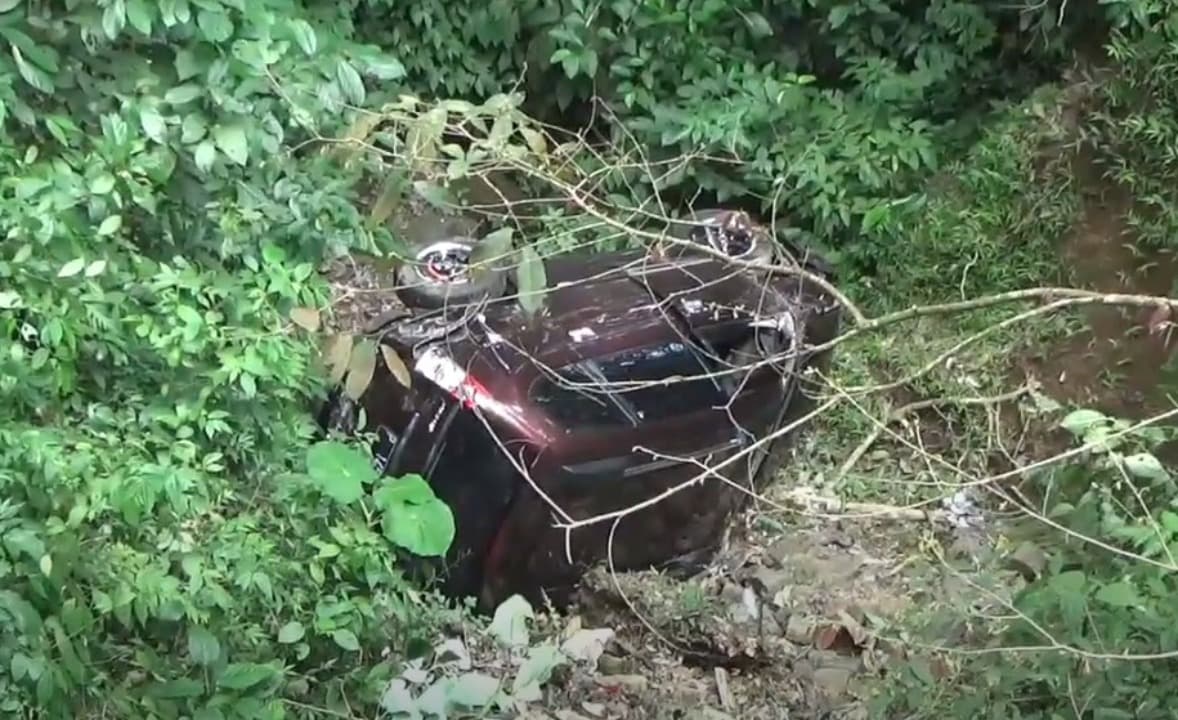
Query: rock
[(611, 664), (799, 629), (832, 682), (832, 674), (785, 548), (774, 581), (630, 683)]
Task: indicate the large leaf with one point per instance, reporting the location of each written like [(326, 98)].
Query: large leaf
[(361, 367), (396, 365), (493, 248), (339, 471), (510, 623), (241, 676), (532, 281), (336, 356), (230, 139), (203, 646), (413, 517)]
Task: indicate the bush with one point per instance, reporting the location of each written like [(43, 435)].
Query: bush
[(161, 553)]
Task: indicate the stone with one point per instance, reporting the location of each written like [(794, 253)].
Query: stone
[(632, 683)]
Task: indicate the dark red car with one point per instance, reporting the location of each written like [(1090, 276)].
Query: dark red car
[(642, 369)]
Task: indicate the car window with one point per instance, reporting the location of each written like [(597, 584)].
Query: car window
[(573, 406), (657, 363)]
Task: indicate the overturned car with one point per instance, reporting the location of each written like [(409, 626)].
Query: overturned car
[(650, 392)]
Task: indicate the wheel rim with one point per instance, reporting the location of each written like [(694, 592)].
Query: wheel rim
[(730, 233), (444, 263)]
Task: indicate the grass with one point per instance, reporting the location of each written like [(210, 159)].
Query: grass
[(992, 221)]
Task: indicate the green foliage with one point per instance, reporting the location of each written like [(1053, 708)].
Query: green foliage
[(1101, 622), (160, 553), (827, 111), (452, 687), (989, 222), (1134, 131)]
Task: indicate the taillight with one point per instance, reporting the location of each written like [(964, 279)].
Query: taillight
[(435, 365)]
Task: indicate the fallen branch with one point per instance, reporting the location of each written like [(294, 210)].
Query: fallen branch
[(903, 411)]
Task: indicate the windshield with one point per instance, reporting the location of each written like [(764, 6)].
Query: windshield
[(631, 387)]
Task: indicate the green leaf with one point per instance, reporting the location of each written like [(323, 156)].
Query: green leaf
[(230, 139), (425, 529), (838, 15), (176, 689), (1078, 422), (203, 646), (153, 123), (536, 670), (339, 471), (509, 626), (413, 517), (240, 676), (361, 368), (304, 35), (384, 67), (215, 26), (110, 225), (1118, 594), (346, 639), (188, 64), (1145, 465), (71, 268), (531, 280), (291, 632), (102, 184), (95, 268), (192, 129), (204, 155), (493, 248), (139, 15), (759, 27), (411, 488), (182, 94), (32, 74), (473, 690), (114, 19), (350, 82), (7, 5)]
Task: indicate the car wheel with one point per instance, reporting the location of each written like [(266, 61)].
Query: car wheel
[(732, 232), (440, 273)]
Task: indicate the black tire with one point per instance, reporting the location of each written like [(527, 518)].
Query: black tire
[(439, 275), (714, 228)]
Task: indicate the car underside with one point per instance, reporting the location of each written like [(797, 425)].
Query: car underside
[(626, 421)]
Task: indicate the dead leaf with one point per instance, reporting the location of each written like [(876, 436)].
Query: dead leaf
[(834, 638), (535, 140), (587, 645), (356, 138), (1159, 319), (361, 367), (396, 365), (306, 318), (854, 628), (339, 349), (386, 203)]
